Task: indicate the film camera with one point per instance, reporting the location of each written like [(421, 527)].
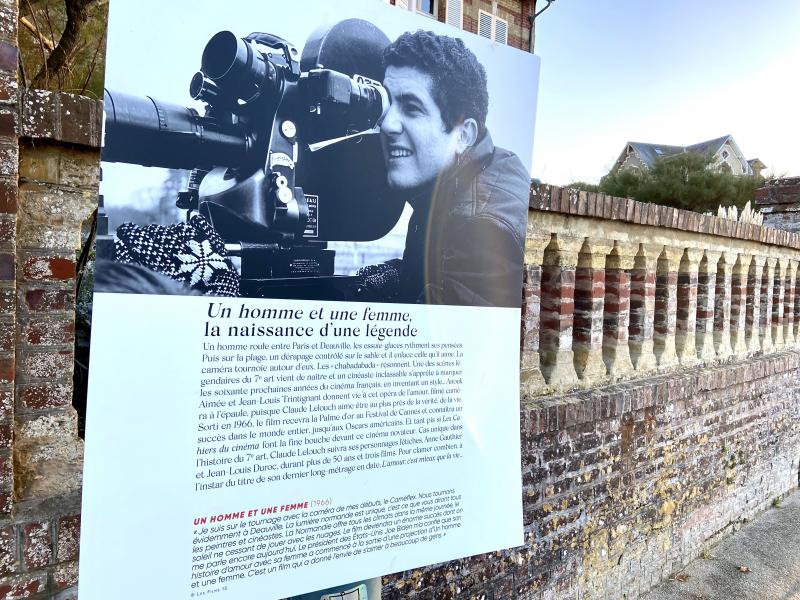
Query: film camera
[(283, 160)]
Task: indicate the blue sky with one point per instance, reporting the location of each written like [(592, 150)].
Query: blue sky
[(676, 72)]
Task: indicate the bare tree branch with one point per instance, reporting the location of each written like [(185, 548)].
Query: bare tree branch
[(48, 43), (30, 6), (39, 38)]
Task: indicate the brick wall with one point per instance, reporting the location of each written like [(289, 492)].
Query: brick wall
[(624, 485), (58, 174), (515, 12), (48, 181), (779, 202), (10, 535)]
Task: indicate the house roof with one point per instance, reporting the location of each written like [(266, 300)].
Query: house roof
[(649, 153), (710, 146)]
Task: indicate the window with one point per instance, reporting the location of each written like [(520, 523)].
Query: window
[(492, 27), (428, 7), (454, 13)]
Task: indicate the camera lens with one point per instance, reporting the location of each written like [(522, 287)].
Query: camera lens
[(222, 53), (240, 71)]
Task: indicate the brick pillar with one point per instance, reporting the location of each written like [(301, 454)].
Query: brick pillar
[(788, 303), (531, 379), (10, 537), (706, 290), (778, 303), (616, 319), (767, 301), (642, 307), (723, 294), (57, 192), (754, 282), (739, 303), (558, 305), (686, 321), (666, 306), (589, 300), (796, 308)]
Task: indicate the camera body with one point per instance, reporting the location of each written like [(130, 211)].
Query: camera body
[(285, 157)]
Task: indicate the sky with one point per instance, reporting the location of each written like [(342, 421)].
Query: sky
[(672, 72)]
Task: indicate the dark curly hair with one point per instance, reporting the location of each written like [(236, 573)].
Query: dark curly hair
[(459, 80)]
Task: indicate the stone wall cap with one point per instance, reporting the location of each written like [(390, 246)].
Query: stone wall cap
[(546, 197), (60, 117)]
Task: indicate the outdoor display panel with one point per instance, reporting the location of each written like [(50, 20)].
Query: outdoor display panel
[(306, 374)]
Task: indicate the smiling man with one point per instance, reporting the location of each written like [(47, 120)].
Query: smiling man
[(466, 236)]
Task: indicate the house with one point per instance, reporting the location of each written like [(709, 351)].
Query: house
[(725, 153), (507, 22)]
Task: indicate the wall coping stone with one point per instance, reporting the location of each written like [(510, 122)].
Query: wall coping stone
[(570, 201), (61, 117)]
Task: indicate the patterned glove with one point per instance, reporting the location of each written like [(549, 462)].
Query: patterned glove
[(190, 252), (382, 281)]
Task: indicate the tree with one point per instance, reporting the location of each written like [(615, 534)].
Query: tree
[(62, 45), (584, 186), (683, 181)]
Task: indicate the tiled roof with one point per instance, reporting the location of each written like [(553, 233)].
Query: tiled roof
[(650, 152)]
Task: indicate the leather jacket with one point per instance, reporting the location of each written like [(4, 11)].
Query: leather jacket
[(465, 241)]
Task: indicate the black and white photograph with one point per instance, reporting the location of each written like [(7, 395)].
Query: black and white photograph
[(308, 284), (358, 153)]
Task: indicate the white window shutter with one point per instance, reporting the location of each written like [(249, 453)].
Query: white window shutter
[(402, 4), (501, 31), (454, 13), (485, 24)]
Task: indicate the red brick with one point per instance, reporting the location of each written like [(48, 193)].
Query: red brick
[(8, 197), (37, 546), (45, 396), (8, 229), (68, 544), (9, 57), (49, 300), (66, 575), (47, 365), (7, 267), (6, 436), (555, 198), (8, 300), (6, 369), (8, 126), (21, 587), (6, 404), (50, 332), (6, 337), (5, 504), (8, 548), (48, 268), (6, 475)]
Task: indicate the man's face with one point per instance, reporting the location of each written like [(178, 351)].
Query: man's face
[(416, 146)]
